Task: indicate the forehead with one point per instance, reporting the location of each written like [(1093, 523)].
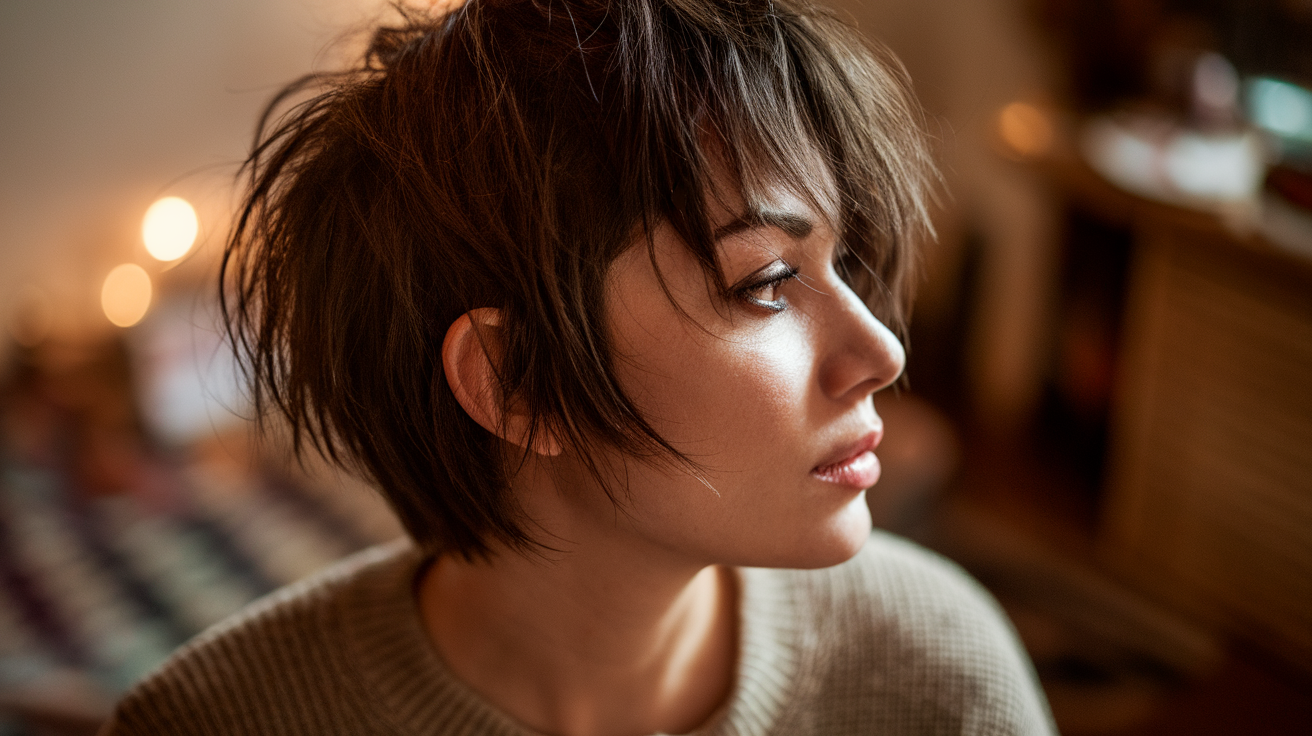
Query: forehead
[(756, 198)]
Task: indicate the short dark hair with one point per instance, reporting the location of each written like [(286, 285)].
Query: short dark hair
[(503, 155)]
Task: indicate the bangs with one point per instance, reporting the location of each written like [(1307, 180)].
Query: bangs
[(784, 98)]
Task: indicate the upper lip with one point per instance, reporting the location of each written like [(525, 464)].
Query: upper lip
[(865, 443)]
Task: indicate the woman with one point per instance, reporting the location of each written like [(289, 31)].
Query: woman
[(597, 294)]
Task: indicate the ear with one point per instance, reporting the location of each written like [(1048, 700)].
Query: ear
[(471, 375)]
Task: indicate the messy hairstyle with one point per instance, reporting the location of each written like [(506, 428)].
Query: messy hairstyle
[(503, 154)]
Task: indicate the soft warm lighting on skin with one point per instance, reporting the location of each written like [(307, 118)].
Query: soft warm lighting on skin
[(1025, 129), (125, 296), (170, 228)]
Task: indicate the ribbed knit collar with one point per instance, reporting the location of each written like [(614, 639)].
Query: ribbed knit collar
[(418, 694)]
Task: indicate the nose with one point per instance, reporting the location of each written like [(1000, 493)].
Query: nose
[(862, 355)]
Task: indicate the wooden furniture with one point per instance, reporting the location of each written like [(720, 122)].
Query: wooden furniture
[(1207, 503), (1209, 499)]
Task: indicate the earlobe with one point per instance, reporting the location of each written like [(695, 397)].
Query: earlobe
[(471, 374)]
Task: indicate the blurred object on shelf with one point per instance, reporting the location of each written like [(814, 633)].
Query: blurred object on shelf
[(1155, 157), (1284, 110), (1252, 179), (1213, 92)]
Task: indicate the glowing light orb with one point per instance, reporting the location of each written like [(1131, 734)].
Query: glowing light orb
[(1025, 129), (125, 295), (170, 228)]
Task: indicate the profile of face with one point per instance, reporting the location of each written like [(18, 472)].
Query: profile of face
[(768, 391)]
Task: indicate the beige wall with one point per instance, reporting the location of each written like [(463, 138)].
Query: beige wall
[(109, 104)]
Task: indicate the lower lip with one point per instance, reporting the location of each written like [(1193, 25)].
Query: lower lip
[(859, 472)]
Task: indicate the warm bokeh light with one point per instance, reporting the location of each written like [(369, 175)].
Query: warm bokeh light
[(125, 296), (1025, 129), (170, 228)]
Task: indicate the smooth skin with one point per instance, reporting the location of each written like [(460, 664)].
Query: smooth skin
[(631, 628)]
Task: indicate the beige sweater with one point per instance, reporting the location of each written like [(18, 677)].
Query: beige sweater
[(895, 641)]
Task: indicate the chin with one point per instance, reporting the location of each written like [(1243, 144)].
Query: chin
[(838, 541), (849, 534)]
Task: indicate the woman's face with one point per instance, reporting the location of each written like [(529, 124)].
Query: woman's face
[(769, 391)]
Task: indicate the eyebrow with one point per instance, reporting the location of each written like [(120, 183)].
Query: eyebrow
[(796, 226)]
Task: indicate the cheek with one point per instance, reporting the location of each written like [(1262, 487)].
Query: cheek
[(736, 400), (746, 405)]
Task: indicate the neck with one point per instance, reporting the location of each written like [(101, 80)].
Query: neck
[(605, 639)]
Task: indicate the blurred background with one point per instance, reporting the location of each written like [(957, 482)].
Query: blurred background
[(1109, 419)]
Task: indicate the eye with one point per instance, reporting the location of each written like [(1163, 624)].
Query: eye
[(761, 289)]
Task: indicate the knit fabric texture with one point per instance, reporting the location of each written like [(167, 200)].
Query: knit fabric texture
[(895, 641)]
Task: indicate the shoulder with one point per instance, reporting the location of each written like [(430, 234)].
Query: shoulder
[(278, 665), (905, 632)]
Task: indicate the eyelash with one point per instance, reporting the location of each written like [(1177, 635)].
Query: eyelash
[(747, 291)]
